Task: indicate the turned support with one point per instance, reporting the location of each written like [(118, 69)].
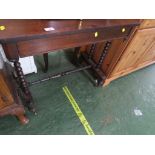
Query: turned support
[(100, 81), (103, 55), (91, 51), (23, 85)]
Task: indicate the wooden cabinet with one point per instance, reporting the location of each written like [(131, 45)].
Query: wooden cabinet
[(139, 53), (10, 103)]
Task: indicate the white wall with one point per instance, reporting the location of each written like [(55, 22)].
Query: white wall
[(27, 63)]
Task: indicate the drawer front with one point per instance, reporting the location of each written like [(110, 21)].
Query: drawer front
[(38, 46)]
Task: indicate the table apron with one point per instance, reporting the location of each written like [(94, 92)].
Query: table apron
[(40, 46)]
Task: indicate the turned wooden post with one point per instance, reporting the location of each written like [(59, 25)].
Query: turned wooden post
[(24, 85), (92, 50), (103, 55)]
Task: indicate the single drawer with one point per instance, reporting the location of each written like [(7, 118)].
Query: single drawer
[(42, 45)]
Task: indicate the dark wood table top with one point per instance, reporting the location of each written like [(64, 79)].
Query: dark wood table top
[(21, 28)]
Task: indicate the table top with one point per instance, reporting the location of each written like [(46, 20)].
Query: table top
[(32, 28)]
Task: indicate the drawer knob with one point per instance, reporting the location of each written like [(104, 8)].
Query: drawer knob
[(96, 34), (123, 29), (2, 27)]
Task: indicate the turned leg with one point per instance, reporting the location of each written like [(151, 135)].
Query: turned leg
[(103, 55), (46, 61), (100, 81), (24, 85), (92, 50), (76, 56)]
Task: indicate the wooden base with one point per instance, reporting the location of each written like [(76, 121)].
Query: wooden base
[(24, 86)]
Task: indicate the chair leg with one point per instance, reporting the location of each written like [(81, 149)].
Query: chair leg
[(46, 62)]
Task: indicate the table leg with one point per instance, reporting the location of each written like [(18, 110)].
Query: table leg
[(77, 56), (24, 86), (103, 55), (46, 61), (92, 50), (100, 81)]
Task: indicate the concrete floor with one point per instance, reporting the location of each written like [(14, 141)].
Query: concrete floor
[(126, 106)]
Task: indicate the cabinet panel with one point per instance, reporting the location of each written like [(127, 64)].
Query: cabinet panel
[(149, 55), (139, 50), (148, 23), (5, 94)]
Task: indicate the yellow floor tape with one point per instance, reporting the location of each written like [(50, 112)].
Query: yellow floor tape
[(78, 111)]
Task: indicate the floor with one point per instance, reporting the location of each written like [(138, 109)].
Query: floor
[(126, 106)]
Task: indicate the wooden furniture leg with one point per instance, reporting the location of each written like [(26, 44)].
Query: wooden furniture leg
[(103, 55), (92, 50), (46, 62), (24, 86), (76, 56), (22, 118), (100, 81), (15, 110)]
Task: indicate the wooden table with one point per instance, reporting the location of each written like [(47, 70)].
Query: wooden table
[(21, 38)]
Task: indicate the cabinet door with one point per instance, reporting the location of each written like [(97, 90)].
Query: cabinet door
[(139, 51), (149, 55)]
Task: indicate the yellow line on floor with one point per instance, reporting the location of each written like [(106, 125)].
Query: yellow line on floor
[(78, 111)]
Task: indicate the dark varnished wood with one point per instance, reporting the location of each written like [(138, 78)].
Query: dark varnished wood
[(91, 51), (11, 50), (23, 85), (103, 55), (39, 46), (28, 37), (45, 56), (27, 29)]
